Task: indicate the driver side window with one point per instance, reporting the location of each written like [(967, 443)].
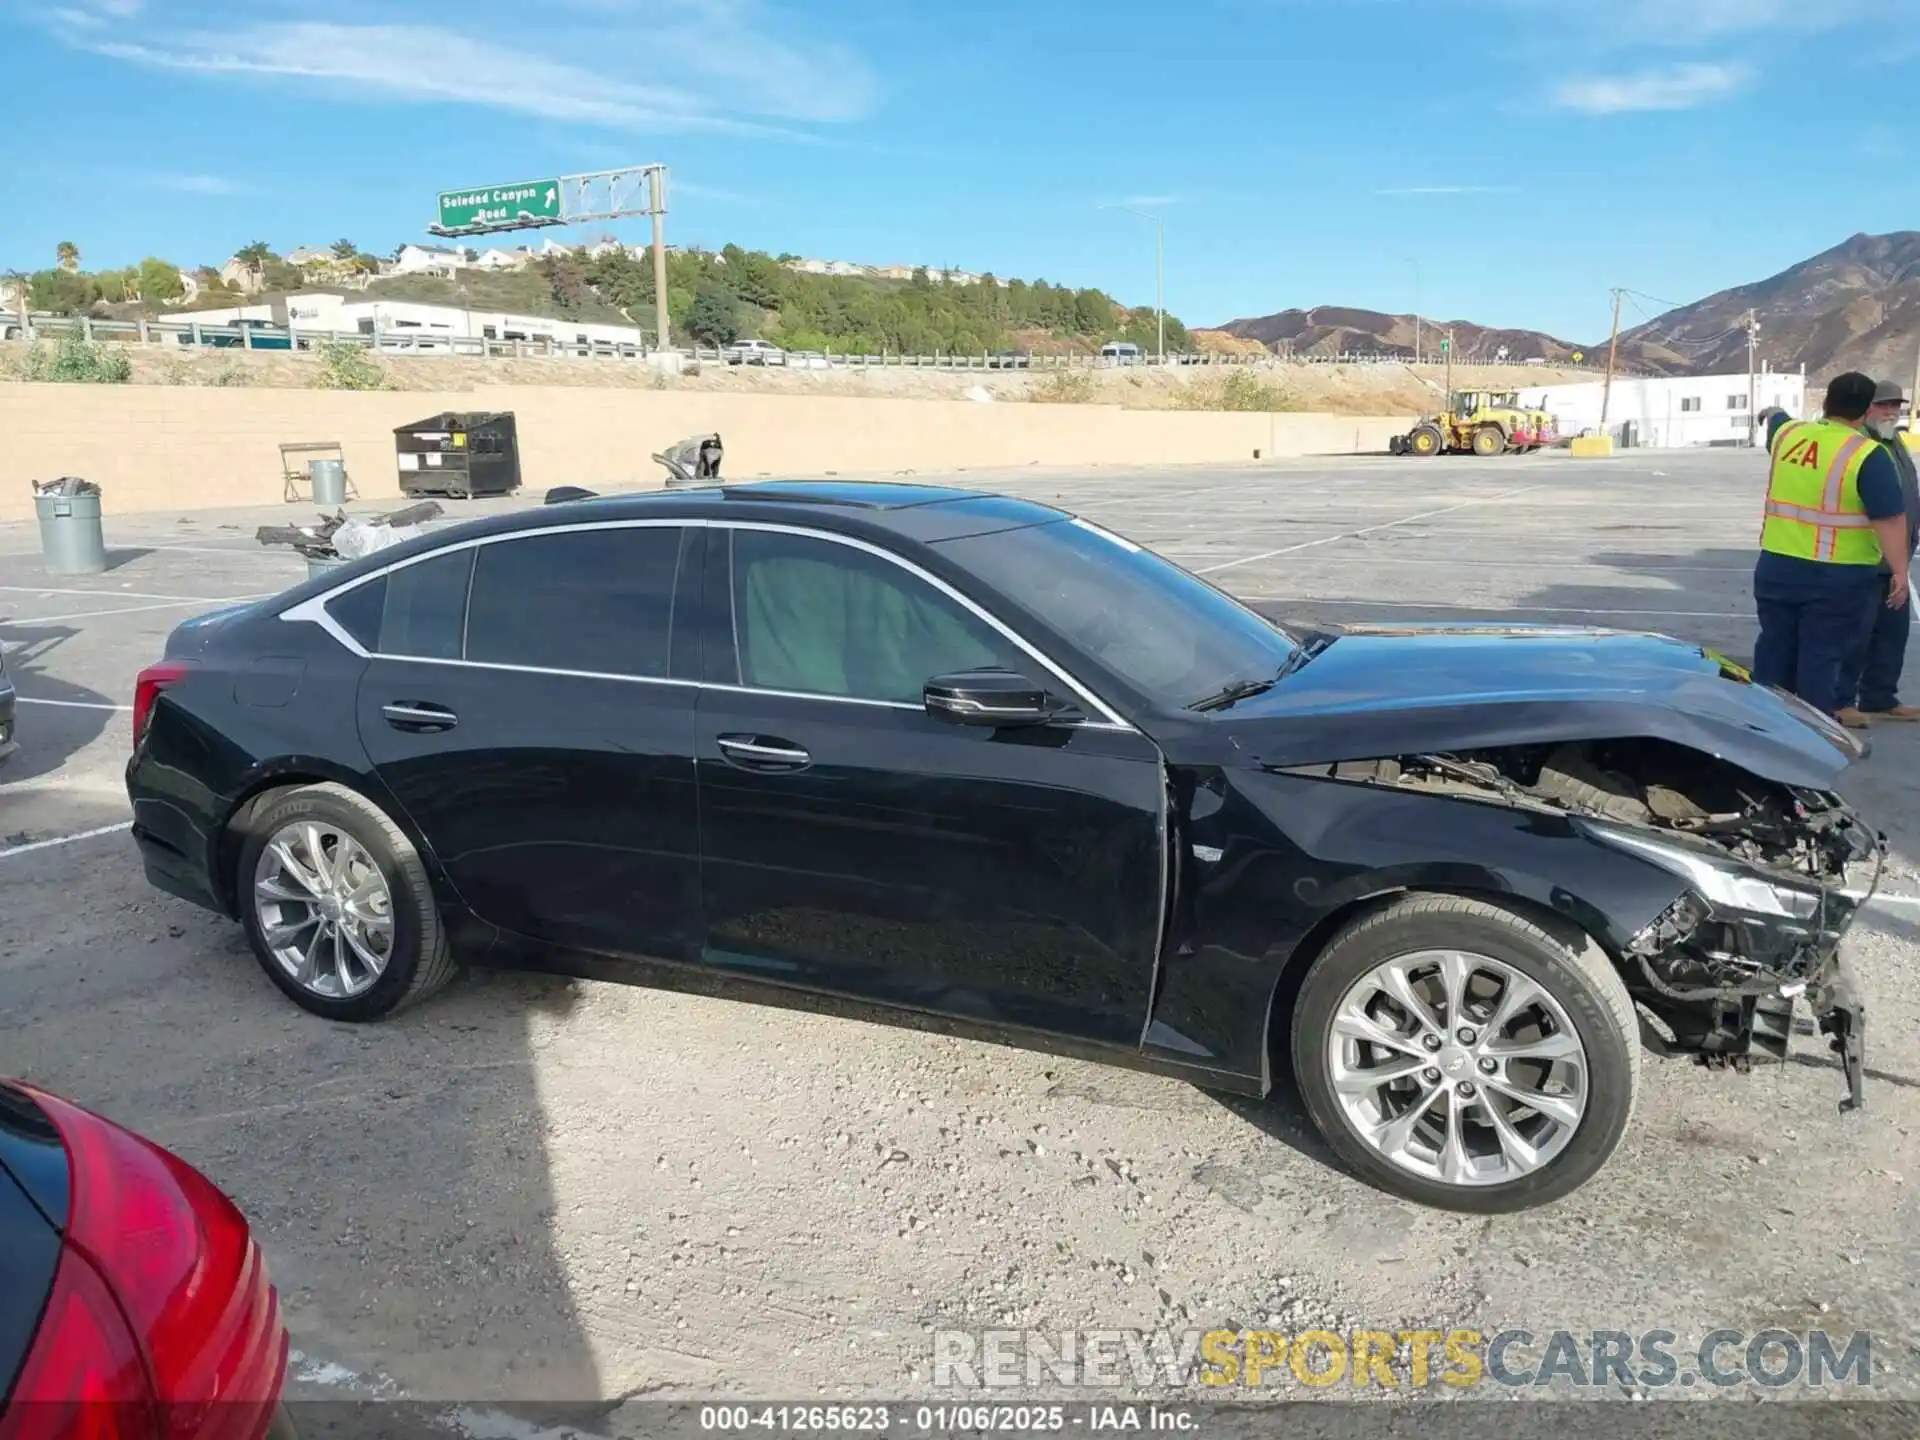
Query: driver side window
[(819, 618)]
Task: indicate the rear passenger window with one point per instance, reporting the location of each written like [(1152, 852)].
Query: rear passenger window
[(598, 601), (426, 606)]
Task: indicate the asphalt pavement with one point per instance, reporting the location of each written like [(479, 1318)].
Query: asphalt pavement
[(539, 1190)]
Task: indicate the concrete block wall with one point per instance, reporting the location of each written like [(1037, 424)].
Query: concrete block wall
[(180, 447)]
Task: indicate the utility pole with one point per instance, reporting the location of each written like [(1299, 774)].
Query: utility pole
[(657, 205), (1753, 394), (1613, 347), (1416, 306), (1159, 270), (1160, 282)]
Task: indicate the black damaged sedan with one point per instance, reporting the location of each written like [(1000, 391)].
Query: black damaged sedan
[(969, 759)]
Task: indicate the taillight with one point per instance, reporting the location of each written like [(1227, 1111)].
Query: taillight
[(84, 1377), (189, 1279), (146, 689)]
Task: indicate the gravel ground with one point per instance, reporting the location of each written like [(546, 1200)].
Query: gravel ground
[(536, 1190)]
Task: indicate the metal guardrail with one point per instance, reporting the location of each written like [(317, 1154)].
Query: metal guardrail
[(410, 341)]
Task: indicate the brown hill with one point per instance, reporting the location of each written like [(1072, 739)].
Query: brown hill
[(1854, 307), (1328, 330)]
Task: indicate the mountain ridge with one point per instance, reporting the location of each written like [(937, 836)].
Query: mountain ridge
[(1855, 306)]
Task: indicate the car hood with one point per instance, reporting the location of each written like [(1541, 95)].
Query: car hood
[(1377, 691)]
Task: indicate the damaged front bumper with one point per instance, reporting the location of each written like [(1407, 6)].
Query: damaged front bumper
[(1726, 977)]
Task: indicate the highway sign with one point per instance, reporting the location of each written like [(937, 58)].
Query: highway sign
[(500, 207)]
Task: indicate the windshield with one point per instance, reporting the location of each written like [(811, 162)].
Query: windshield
[(1171, 636)]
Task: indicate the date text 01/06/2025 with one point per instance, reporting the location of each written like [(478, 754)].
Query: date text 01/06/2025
[(944, 1419)]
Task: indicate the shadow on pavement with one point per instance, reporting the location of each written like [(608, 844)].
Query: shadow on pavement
[(51, 733), (397, 1174)]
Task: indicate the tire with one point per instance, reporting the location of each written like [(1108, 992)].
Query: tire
[(1587, 999), (417, 960), (1425, 440), (1488, 440)]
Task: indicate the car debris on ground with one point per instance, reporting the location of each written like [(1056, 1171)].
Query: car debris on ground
[(340, 537)]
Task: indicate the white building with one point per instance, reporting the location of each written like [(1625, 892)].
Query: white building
[(428, 260), (504, 259), (420, 324), (1672, 412)]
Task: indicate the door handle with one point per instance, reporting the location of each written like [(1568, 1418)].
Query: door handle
[(418, 716), (761, 752)]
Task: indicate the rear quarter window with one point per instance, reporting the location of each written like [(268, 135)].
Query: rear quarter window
[(358, 612)]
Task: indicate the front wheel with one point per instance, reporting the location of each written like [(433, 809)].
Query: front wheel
[(338, 907), (1488, 440), (1457, 1054)]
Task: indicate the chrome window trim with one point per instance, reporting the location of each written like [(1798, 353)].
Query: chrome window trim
[(313, 611)]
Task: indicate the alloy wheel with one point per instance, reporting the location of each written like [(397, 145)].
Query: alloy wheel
[(1457, 1067), (324, 909)]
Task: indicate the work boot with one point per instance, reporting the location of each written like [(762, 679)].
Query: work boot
[(1897, 712), (1851, 718)]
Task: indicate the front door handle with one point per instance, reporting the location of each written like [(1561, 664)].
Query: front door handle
[(419, 716), (763, 752)]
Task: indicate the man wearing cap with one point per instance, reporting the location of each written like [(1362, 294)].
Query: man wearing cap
[(1870, 684), (1834, 511)]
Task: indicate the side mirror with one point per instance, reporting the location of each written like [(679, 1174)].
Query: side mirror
[(991, 698)]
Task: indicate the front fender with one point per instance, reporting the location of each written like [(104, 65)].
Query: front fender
[(1276, 864)]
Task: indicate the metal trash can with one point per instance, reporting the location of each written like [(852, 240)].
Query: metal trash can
[(70, 536), (329, 481), (318, 565)]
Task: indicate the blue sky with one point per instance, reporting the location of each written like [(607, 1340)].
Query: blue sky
[(1525, 155)]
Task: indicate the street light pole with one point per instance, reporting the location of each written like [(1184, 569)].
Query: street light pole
[(1159, 270)]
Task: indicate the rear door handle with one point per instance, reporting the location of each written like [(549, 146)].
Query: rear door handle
[(762, 752), (418, 716)]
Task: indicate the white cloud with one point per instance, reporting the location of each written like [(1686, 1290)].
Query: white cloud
[(655, 65), (199, 185), (1444, 190), (1675, 87)]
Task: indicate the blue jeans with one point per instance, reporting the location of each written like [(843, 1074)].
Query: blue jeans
[(1808, 633), (1872, 674)]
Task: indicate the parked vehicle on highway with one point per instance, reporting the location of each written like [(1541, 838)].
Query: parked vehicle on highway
[(243, 334), (755, 352), (135, 1302), (8, 745), (1120, 352), (968, 755)]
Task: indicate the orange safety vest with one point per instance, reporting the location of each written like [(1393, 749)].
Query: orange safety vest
[(1813, 509)]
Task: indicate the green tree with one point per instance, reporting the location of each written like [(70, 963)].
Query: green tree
[(67, 256), (345, 250), (255, 255), (714, 316), (160, 281)]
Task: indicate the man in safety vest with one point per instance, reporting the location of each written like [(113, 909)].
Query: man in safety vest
[(1871, 680), (1834, 511)]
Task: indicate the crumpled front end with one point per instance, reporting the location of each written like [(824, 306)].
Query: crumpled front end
[(1775, 876)]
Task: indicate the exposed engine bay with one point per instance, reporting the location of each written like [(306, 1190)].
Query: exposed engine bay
[(1778, 874)]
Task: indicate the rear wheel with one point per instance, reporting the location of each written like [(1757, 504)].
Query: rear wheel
[(1425, 440), (1488, 440), (337, 905), (1455, 1053)]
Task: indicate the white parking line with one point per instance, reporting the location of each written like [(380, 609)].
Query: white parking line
[(210, 601), (1366, 530), (93, 834), (71, 704), (101, 594)]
